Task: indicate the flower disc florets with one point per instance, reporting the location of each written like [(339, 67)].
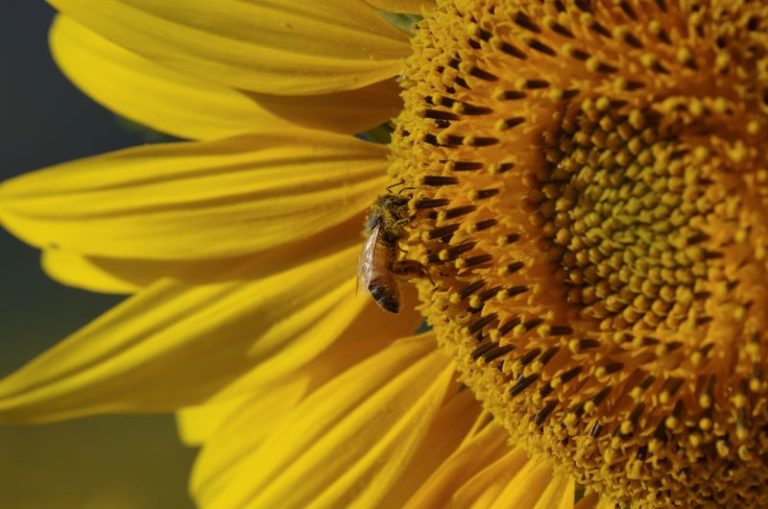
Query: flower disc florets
[(591, 193)]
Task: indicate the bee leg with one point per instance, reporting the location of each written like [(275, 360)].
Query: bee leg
[(398, 225), (401, 222), (409, 268)]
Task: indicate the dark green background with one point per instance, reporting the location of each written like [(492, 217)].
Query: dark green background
[(113, 462)]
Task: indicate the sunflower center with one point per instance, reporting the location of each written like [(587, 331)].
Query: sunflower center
[(591, 183)]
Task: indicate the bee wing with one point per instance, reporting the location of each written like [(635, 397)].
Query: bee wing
[(365, 264)]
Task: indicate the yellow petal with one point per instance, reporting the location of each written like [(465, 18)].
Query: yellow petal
[(486, 473), (268, 46), (559, 493), (450, 427), (344, 446), (406, 6), (199, 423), (175, 345), (351, 112), (74, 270), (480, 425), (483, 449), (197, 200), (484, 489), (261, 401), (371, 329), (537, 487), (126, 275), (196, 424), (151, 94), (176, 103)]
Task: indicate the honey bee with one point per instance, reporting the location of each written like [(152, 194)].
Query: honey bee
[(378, 266)]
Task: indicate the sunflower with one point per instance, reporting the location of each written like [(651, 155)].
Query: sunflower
[(584, 186)]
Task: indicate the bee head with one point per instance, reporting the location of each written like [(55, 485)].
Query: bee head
[(387, 211)]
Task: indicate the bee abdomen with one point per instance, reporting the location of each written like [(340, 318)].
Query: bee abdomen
[(387, 297)]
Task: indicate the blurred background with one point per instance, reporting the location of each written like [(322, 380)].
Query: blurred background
[(113, 462)]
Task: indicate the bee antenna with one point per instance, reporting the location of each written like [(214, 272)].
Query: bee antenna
[(400, 182)]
